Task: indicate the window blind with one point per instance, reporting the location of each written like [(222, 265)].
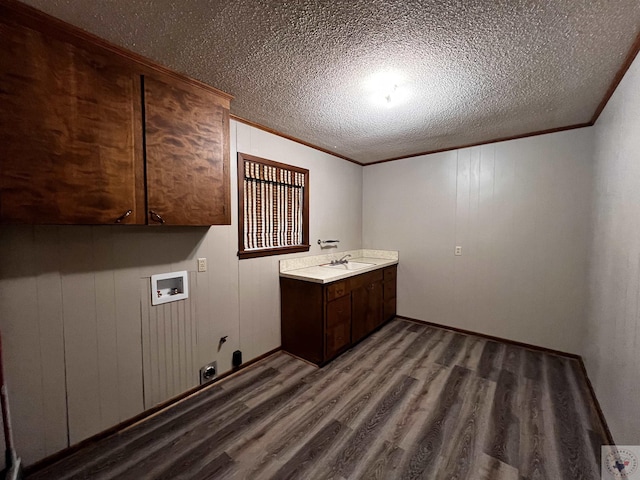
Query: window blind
[(273, 206)]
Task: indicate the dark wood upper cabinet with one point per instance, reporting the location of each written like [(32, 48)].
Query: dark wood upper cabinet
[(93, 134), (187, 154), (70, 133)]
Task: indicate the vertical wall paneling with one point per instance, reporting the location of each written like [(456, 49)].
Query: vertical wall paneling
[(80, 331), (166, 350), (469, 263), (612, 346), (463, 194), (50, 321), (484, 279), (259, 305), (191, 337), (20, 327), (202, 307), (520, 211), (149, 354), (169, 349), (106, 328), (177, 345), (157, 323), (127, 247), (181, 362)]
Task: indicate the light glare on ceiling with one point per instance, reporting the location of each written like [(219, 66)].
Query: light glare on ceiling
[(386, 89)]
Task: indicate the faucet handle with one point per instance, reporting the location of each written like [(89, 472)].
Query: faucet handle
[(344, 258)]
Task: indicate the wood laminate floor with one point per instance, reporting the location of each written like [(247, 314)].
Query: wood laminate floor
[(411, 401)]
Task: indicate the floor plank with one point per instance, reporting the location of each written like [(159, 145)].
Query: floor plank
[(410, 401)]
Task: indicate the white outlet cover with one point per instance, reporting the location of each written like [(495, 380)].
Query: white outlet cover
[(202, 264)]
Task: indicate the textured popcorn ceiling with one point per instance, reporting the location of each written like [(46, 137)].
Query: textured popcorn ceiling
[(467, 71)]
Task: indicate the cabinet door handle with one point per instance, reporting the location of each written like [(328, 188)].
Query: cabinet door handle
[(123, 216), (156, 217)]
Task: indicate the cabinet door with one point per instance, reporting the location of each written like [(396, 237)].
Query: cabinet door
[(302, 319), (70, 133), (389, 308), (366, 310), (187, 154), (389, 293), (338, 326)]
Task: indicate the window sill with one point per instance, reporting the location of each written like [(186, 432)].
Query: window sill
[(266, 252)]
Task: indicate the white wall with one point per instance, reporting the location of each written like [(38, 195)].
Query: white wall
[(520, 211), (612, 346), (71, 301)]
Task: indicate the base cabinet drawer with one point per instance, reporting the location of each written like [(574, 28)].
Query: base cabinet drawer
[(337, 290)]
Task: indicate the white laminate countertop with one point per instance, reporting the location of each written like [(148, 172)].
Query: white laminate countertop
[(317, 273)]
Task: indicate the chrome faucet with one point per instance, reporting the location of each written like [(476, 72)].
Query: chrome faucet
[(342, 261)]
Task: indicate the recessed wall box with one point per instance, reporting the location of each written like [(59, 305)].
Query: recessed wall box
[(169, 287)]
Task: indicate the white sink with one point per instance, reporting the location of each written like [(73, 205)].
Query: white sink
[(349, 266)]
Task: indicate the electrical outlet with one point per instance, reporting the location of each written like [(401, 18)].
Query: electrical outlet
[(208, 372), (458, 250), (202, 264)]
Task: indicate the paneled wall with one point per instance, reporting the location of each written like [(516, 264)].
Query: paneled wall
[(71, 321), (612, 346), (75, 323), (520, 212), (169, 334), (335, 212)]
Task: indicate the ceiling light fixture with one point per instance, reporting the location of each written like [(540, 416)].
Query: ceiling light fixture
[(388, 96), (385, 89)]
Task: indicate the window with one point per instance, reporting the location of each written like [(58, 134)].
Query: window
[(273, 207)]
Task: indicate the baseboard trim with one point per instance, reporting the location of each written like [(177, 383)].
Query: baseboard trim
[(491, 337), (596, 403), (573, 356), (62, 454)]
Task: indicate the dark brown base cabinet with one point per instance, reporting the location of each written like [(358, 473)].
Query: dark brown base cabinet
[(320, 321)]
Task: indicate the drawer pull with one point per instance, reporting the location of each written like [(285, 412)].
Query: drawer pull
[(123, 216), (156, 217)]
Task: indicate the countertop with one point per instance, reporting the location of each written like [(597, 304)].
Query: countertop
[(320, 274)]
